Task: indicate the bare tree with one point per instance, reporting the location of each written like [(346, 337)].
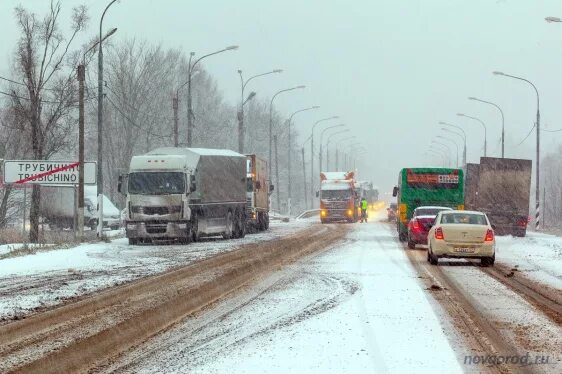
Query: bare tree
[(45, 64)]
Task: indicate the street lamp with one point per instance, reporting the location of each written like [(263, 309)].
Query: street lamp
[(191, 67), (321, 137), (434, 153), (552, 19), (538, 125), (452, 141), (444, 157), (241, 130), (81, 73), (271, 125), (100, 126), (450, 125), (312, 154), (337, 149), (435, 142), (328, 146), (347, 156), (503, 121), (485, 130), (289, 194)]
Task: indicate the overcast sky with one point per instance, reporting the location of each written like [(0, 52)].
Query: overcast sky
[(390, 69)]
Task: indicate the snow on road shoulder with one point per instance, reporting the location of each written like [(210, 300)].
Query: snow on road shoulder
[(537, 255), (51, 277)]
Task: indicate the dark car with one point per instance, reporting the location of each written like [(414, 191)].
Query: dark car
[(391, 212), (421, 222)]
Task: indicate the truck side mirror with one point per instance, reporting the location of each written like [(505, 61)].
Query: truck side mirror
[(395, 191), (271, 188), (317, 194), (122, 182), (192, 184), (258, 185), (119, 183)]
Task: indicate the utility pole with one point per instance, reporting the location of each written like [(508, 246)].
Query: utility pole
[(81, 78), (304, 179), (189, 103), (175, 106), (277, 174)]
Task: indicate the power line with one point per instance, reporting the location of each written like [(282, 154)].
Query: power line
[(529, 134), (23, 84), (43, 101)]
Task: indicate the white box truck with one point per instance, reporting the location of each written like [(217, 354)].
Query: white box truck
[(185, 193)]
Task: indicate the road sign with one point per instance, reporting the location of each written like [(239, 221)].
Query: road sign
[(47, 172)]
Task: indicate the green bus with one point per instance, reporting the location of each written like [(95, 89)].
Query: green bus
[(426, 186)]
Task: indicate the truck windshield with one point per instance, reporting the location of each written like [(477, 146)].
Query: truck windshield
[(335, 194), (156, 183)]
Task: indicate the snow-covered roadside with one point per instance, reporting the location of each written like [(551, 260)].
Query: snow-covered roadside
[(50, 277), (539, 256)]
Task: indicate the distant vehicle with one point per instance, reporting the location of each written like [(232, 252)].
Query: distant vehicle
[(338, 197), (462, 234), (368, 191), (58, 208), (258, 190), (500, 187), (426, 186), (185, 193), (421, 222), (391, 212)]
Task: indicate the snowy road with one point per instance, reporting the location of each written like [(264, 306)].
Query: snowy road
[(357, 307)]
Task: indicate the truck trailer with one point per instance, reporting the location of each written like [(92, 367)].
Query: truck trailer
[(258, 190), (503, 193), (184, 194)]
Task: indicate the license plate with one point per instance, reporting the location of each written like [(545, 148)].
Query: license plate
[(464, 249)]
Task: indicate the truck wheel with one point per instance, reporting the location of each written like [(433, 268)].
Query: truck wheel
[(195, 234), (402, 237), (242, 226), (227, 234), (266, 221)]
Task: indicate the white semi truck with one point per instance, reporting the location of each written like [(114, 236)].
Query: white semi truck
[(183, 194)]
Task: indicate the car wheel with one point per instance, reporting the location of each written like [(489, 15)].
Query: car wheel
[(432, 259), (411, 244)]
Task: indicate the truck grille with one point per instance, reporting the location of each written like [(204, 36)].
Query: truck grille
[(153, 210), (335, 204), (156, 229)]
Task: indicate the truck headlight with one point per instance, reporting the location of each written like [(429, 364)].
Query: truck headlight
[(182, 226), (131, 226)]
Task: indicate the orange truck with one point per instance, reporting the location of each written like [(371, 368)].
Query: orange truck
[(338, 197), (257, 193)]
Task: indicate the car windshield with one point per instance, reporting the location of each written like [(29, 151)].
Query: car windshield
[(464, 218), (428, 211), (156, 183), (335, 194)]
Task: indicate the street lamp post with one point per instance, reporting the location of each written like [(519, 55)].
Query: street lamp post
[(435, 153), (463, 136), (347, 159), (191, 67), (337, 149), (241, 129), (100, 126), (435, 142), (312, 155), (445, 158), (452, 141), (485, 131), (289, 191), (271, 126), (538, 125), (328, 146), (320, 148), (81, 74), (503, 120), (305, 189)]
